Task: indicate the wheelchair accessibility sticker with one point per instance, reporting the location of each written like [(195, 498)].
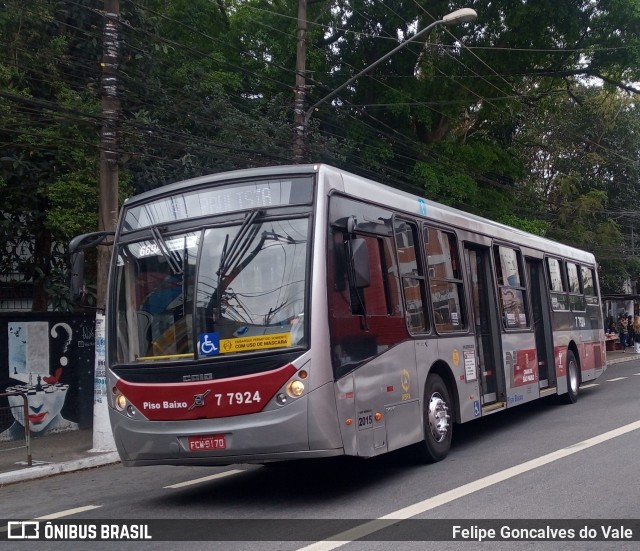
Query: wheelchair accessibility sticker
[(209, 344)]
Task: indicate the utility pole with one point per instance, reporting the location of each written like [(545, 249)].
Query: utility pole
[(107, 214), (108, 195), (300, 123)]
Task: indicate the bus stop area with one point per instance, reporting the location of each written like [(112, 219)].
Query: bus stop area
[(71, 451)]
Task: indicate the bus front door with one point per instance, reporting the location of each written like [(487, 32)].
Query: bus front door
[(486, 328)]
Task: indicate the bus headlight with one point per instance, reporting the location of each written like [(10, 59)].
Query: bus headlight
[(121, 402), (295, 389)]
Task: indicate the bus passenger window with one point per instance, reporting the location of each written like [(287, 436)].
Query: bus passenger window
[(406, 235), (557, 286), (572, 277), (588, 281), (445, 280), (513, 294), (576, 298)]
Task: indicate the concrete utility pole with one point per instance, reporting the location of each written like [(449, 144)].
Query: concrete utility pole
[(107, 214), (299, 145), (108, 196)]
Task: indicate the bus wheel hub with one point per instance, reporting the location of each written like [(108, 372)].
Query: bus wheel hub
[(438, 417)]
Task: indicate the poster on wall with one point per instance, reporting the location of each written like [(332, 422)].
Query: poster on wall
[(49, 361)]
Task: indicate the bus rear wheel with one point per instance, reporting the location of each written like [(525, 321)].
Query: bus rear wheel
[(573, 380), (438, 428)]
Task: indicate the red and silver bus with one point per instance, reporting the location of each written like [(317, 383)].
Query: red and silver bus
[(302, 311)]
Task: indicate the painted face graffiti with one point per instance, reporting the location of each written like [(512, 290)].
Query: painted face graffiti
[(44, 407)]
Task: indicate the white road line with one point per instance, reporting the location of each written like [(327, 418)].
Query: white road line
[(589, 385), (68, 512), (616, 379), (61, 514), (205, 479), (421, 507)]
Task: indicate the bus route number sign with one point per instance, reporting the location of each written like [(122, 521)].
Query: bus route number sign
[(206, 443)]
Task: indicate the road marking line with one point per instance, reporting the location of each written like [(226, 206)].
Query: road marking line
[(60, 514), (205, 478), (589, 385), (616, 379), (68, 512), (436, 501)]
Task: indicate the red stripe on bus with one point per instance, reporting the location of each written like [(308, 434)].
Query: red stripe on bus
[(206, 399)]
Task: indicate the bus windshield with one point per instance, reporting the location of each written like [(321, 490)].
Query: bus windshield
[(247, 294)]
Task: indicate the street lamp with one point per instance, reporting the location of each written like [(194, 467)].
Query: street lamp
[(463, 15)]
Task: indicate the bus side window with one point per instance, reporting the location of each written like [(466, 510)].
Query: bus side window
[(380, 297), (356, 292), (364, 321), (511, 283), (391, 277), (351, 301), (592, 302), (588, 281), (376, 295), (576, 297), (445, 279), (557, 286), (411, 274)]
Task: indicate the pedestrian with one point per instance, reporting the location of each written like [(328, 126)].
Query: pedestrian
[(636, 333), (623, 330), (631, 341)]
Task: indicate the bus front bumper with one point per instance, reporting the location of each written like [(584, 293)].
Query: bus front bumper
[(276, 435)]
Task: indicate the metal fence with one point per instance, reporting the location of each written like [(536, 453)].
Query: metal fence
[(16, 416)]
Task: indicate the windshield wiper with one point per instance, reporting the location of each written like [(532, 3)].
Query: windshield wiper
[(162, 245), (230, 253)]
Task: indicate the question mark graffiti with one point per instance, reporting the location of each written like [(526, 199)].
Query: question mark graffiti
[(63, 359)]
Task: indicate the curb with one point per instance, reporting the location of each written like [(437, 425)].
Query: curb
[(630, 358), (41, 471)]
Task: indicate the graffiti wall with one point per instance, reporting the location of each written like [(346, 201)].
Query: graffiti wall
[(50, 357)]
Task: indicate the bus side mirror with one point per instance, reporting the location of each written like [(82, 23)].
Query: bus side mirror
[(360, 263), (77, 275), (76, 249)]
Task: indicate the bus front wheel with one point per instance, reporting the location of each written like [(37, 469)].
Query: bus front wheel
[(438, 428)]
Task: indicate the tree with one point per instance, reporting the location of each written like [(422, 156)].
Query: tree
[(527, 115), (48, 138)]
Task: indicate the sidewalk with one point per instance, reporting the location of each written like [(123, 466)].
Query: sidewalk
[(53, 454), (619, 356), (71, 451)]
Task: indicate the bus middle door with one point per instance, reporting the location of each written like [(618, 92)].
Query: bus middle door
[(485, 323)]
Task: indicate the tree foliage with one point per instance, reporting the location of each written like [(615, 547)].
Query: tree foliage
[(527, 116)]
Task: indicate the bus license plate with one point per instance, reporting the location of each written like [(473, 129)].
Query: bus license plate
[(206, 443)]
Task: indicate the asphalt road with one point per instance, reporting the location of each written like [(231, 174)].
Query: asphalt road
[(561, 466)]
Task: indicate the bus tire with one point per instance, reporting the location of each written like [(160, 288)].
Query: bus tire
[(573, 380), (438, 428)]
